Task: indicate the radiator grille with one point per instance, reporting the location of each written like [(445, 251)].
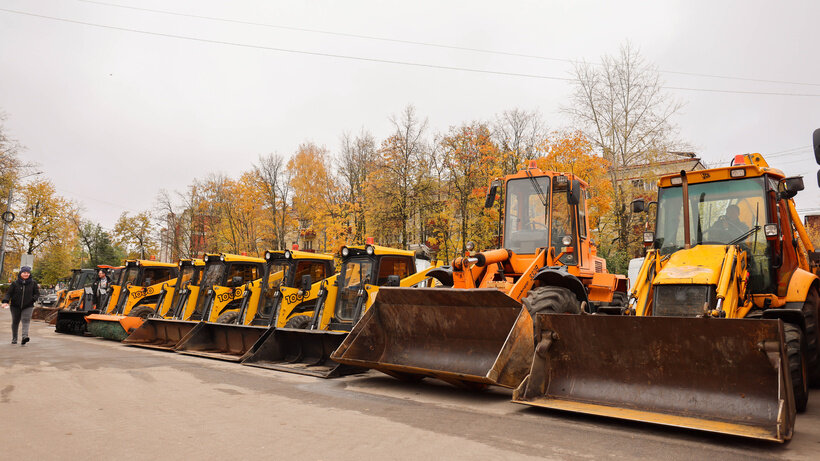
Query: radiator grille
[(682, 300)]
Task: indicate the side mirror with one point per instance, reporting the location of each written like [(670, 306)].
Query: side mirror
[(306, 283), (490, 200), (789, 187), (638, 205), (816, 143), (574, 193), (393, 281), (236, 281)]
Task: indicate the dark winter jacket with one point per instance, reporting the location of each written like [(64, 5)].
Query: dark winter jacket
[(22, 293), (100, 296)]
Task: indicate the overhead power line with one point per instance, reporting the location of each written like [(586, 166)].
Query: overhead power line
[(419, 43), (366, 59)]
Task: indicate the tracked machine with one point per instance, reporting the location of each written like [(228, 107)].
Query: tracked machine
[(476, 333), (68, 298), (71, 320), (286, 298), (309, 334), (721, 331), (225, 281)]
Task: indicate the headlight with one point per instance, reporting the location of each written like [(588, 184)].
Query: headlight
[(345, 252), (267, 255), (566, 240), (369, 249), (770, 230), (676, 181), (738, 173), (222, 257), (287, 254), (470, 246)]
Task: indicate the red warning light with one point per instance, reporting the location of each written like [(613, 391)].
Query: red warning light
[(740, 159), (369, 240), (295, 246), (244, 253), (533, 164)]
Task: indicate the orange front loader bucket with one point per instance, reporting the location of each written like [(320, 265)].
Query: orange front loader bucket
[(468, 338), (115, 327), (728, 376), (220, 341), (160, 334)]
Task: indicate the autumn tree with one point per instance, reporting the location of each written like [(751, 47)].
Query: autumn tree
[(273, 178), (43, 217), (399, 180), (472, 160), (355, 165), (136, 234), (97, 244), (625, 112), (518, 134)]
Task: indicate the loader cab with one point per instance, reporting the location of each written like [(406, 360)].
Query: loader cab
[(546, 210), (366, 267), (190, 273), (223, 279), (745, 205), (141, 280), (288, 268)]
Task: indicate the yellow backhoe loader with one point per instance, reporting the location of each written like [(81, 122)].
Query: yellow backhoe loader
[(225, 280), (305, 343), (477, 333), (721, 334), (287, 297), (146, 289)]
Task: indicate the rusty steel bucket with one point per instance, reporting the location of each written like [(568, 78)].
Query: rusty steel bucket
[(42, 312), (728, 376), (305, 352), (160, 334), (469, 338), (220, 341)]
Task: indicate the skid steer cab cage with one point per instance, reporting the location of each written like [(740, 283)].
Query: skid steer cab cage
[(285, 286), (728, 376), (342, 301)]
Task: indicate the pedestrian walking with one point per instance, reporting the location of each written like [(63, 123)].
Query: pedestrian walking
[(20, 297), (100, 288)]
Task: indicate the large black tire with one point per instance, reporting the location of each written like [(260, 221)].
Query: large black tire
[(795, 351), (142, 312), (551, 300), (228, 317), (300, 322), (812, 336)]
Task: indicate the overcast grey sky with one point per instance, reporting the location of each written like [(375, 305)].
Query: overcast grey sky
[(113, 116)]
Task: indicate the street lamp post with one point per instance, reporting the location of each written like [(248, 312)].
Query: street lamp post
[(8, 217)]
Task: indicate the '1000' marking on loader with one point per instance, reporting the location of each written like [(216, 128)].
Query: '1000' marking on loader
[(139, 294), (222, 297)]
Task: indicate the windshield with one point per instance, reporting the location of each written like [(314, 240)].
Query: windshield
[(75, 281), (212, 276), (131, 274), (525, 227), (354, 273), (277, 274), (721, 212)]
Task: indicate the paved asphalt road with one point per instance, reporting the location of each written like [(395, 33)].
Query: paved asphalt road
[(68, 397)]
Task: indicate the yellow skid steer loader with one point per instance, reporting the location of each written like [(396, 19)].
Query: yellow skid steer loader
[(232, 337), (219, 293), (304, 345)]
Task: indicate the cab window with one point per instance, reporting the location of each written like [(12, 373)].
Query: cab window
[(392, 265)]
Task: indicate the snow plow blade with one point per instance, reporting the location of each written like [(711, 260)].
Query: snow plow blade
[(73, 322), (728, 376), (220, 341), (114, 327), (305, 352), (160, 333), (42, 312), (469, 338)]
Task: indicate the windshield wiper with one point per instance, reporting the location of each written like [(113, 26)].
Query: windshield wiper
[(745, 234), (541, 194)]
